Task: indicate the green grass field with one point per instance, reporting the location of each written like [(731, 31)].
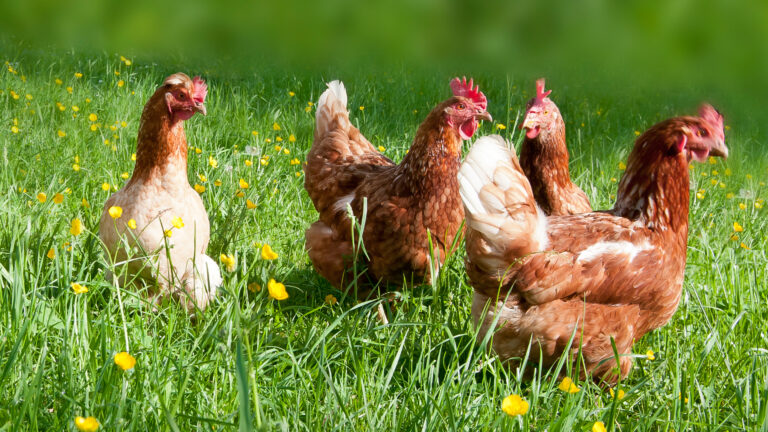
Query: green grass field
[(302, 363)]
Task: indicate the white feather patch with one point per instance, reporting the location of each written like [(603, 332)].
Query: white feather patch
[(618, 247)]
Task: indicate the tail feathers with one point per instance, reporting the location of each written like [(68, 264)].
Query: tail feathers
[(332, 105), (499, 204)]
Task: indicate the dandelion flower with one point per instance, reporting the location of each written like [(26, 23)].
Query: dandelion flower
[(501, 127), (61, 133), (58, 198), (295, 161), (275, 126), (744, 246), (248, 162), (212, 162), (132, 224), (243, 184), (85, 203), (239, 194), (120, 83), (15, 129), (568, 386), (292, 138), (622, 166), (93, 117), (76, 227), (331, 299), (737, 227), (286, 151), (514, 405), (42, 197), (51, 253), (78, 75), (115, 212), (267, 253), (250, 205), (277, 290), (298, 173), (199, 188), (124, 175), (382, 149), (78, 289), (217, 183), (125, 361), (599, 427), (620, 393), (650, 355), (58, 81), (229, 262), (742, 206), (105, 187), (177, 222), (69, 89), (168, 233), (86, 424)]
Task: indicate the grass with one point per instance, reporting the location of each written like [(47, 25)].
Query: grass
[(303, 364)]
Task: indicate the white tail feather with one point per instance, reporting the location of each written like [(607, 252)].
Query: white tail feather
[(331, 102), (207, 280)]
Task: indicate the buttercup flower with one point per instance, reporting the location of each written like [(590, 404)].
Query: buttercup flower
[(86, 424), (42, 197), (650, 355), (331, 299), (568, 386), (277, 290), (737, 227), (250, 205), (599, 427), (199, 188), (514, 405), (243, 184), (58, 198), (254, 287), (115, 212), (131, 224), (51, 253), (229, 261), (125, 361), (267, 253), (78, 289), (620, 393), (76, 227), (177, 222)]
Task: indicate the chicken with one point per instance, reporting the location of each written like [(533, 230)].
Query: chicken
[(614, 274), (162, 234), (401, 206), (544, 158)]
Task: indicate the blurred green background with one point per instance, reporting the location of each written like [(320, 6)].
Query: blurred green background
[(696, 50)]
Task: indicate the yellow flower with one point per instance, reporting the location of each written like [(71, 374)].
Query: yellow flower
[(87, 424), (168, 233), (105, 187), (292, 138), (250, 205), (212, 162), (650, 355), (264, 160), (76, 227), (381, 148), (199, 188), (744, 246), (51, 253), (278, 139), (622, 166), (115, 212), (514, 405), (308, 109), (758, 205), (124, 124), (599, 427), (85, 203), (42, 197), (501, 127), (729, 195), (254, 287), (637, 133), (217, 182), (734, 237), (93, 117), (331, 299), (61, 133), (568, 386), (75, 108), (58, 198), (295, 161), (275, 126), (277, 290), (229, 261), (248, 162), (298, 173), (125, 361), (362, 108), (15, 129), (58, 81), (78, 289), (120, 83), (243, 184), (749, 176), (95, 127), (620, 393), (613, 180), (700, 195), (69, 89), (728, 172), (267, 253), (78, 75), (286, 151), (254, 133), (737, 227), (742, 206), (291, 94), (124, 175), (240, 194), (132, 224), (177, 222)]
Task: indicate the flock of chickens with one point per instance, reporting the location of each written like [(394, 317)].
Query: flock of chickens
[(550, 276)]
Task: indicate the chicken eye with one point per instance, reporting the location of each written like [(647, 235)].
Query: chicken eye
[(546, 112), (702, 133), (181, 96), (461, 106)]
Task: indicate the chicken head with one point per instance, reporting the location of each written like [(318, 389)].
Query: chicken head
[(184, 96), (469, 106), (542, 115)]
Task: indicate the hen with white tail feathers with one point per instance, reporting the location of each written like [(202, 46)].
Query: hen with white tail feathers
[(603, 276), (404, 206)]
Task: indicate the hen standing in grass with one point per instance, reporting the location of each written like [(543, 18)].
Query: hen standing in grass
[(401, 205), (614, 274), (544, 158), (163, 221)]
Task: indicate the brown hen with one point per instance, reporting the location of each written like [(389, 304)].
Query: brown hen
[(610, 274), (544, 158), (402, 206)]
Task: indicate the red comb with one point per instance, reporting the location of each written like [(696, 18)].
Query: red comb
[(460, 87), (540, 94), (199, 89), (710, 114)]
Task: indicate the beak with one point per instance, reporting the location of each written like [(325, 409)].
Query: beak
[(199, 107), (719, 149), (527, 123), (484, 116)]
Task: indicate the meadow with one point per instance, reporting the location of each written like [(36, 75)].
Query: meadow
[(320, 360)]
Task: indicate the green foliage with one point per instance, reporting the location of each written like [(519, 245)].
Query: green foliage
[(301, 364)]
